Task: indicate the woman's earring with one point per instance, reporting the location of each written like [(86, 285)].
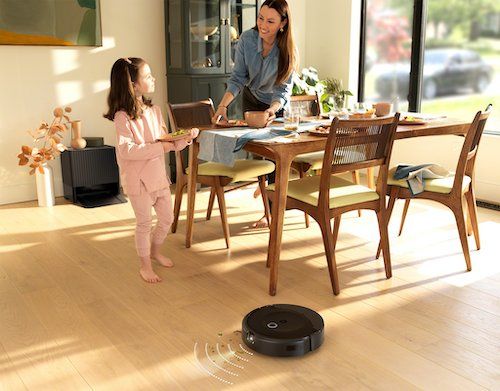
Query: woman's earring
[(281, 30)]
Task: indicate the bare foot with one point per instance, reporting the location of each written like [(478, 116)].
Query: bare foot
[(146, 271), (162, 260), (256, 193), (262, 223)]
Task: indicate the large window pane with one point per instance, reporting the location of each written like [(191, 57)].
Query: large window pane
[(462, 59), (388, 50)]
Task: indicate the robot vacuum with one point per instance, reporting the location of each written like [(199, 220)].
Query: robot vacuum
[(283, 330)]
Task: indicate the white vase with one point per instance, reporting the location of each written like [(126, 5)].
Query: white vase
[(45, 186)]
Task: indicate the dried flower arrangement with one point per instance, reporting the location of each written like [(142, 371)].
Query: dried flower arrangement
[(51, 137)]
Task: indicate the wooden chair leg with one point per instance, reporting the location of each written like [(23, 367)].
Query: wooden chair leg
[(336, 226), (403, 217), (329, 244), (471, 203), (211, 203), (384, 241), (265, 200), (306, 216), (393, 196), (219, 190), (458, 211), (179, 189), (355, 179)]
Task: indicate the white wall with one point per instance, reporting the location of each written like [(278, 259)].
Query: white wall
[(37, 79), (332, 39), (298, 10)]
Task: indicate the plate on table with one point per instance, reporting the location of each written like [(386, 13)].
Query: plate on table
[(232, 123), (169, 137), (412, 121), (322, 131)]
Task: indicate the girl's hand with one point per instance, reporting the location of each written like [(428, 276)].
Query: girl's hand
[(194, 132), (167, 146), (221, 113)]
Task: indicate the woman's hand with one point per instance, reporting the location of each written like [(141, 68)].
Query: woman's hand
[(271, 116), (221, 113)]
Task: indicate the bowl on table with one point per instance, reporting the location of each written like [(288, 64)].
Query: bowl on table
[(257, 119)]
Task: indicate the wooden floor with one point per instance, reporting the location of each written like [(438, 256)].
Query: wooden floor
[(74, 313)]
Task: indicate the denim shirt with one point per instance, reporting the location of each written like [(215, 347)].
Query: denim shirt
[(258, 73)]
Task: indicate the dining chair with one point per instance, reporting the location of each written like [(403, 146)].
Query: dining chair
[(309, 106), (215, 175), (351, 145), (455, 191)]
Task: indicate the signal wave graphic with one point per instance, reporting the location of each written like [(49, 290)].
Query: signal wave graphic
[(219, 360)]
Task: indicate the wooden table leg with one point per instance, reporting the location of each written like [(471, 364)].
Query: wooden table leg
[(193, 169), (283, 164)]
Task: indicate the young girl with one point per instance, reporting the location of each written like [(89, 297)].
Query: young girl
[(139, 124)]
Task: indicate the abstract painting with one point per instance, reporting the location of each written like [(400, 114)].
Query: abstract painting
[(50, 22)]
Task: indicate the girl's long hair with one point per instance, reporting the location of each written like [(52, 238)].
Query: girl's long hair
[(124, 73), (288, 52)]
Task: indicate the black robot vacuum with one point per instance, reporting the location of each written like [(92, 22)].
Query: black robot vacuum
[(283, 330)]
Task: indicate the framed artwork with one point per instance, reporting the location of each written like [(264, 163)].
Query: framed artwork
[(50, 22)]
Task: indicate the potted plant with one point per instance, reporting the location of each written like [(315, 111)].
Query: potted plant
[(306, 83), (334, 95), (47, 145)]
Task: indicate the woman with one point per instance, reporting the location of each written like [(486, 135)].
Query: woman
[(264, 62)]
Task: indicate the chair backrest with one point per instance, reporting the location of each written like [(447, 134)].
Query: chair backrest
[(357, 144), (306, 105), (188, 115), (467, 158)]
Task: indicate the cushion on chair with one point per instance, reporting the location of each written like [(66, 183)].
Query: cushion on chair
[(441, 185), (342, 192), (314, 159), (243, 170)]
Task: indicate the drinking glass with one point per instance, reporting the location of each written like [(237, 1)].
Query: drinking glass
[(291, 120), (359, 107)]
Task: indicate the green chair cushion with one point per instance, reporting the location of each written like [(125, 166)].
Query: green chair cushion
[(243, 170), (314, 159), (342, 192), (441, 185)]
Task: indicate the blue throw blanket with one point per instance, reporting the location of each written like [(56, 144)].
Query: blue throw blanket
[(415, 175), (259, 134)]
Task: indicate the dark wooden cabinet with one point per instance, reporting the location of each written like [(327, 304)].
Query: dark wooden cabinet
[(201, 37)]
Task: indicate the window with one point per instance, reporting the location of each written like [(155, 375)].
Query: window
[(442, 57)]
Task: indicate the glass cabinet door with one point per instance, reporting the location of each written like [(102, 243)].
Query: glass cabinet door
[(175, 35), (242, 17), (205, 35)]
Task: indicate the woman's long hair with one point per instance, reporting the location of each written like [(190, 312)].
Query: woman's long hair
[(124, 73), (288, 54)]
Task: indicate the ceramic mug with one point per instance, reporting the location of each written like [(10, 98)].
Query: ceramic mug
[(382, 108)]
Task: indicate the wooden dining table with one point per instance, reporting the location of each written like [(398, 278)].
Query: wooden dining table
[(283, 153)]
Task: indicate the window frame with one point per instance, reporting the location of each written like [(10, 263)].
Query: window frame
[(417, 54)]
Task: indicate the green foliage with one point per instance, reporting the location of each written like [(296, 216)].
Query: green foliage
[(330, 91)]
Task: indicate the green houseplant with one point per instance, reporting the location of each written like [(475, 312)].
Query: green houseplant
[(334, 95), (330, 91)]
